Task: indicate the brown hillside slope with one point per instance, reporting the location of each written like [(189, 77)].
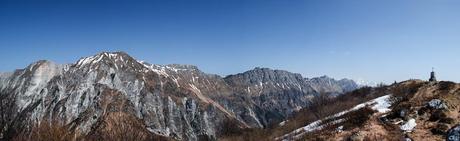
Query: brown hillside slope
[(434, 106), (410, 101)]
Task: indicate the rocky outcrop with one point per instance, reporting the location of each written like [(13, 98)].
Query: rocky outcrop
[(274, 94), (454, 134), (177, 101), (437, 104), (326, 84)]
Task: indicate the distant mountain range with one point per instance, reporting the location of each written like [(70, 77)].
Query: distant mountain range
[(175, 101)]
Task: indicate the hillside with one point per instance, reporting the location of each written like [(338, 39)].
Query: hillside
[(410, 110)]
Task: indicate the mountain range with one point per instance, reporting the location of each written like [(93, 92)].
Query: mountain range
[(175, 101)]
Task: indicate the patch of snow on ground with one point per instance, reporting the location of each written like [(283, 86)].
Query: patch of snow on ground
[(382, 104), (409, 125), (339, 129), (282, 123), (316, 125)]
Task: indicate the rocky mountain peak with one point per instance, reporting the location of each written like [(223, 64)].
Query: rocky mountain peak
[(326, 84), (104, 57), (41, 68), (264, 75), (107, 60), (39, 64), (265, 80), (182, 66)]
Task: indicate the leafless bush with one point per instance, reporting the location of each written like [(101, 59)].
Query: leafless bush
[(121, 127), (405, 91), (320, 106), (446, 85), (232, 131), (230, 127), (357, 118), (47, 131)]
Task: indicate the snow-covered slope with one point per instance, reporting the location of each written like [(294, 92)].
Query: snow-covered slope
[(380, 104)]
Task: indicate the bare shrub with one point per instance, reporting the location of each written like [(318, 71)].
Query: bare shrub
[(405, 91), (48, 131), (320, 106), (230, 127), (232, 131), (119, 126), (357, 118), (446, 85)]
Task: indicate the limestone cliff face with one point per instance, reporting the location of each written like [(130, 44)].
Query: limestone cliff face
[(274, 94), (177, 101), (326, 84)]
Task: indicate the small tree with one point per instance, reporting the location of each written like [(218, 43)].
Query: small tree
[(319, 104)]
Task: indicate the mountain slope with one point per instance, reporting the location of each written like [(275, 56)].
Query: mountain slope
[(177, 101), (413, 110)]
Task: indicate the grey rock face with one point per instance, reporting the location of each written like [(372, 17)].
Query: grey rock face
[(275, 94), (454, 134), (326, 84), (437, 104), (178, 101)]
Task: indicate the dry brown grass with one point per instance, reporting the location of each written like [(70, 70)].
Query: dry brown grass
[(115, 127), (48, 131), (118, 127)]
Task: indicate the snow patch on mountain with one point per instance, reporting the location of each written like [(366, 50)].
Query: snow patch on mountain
[(381, 104), (409, 125), (166, 70), (362, 83)]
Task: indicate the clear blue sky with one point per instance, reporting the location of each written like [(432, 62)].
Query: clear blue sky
[(375, 40)]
